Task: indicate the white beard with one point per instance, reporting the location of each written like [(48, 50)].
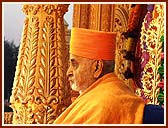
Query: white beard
[(74, 87)]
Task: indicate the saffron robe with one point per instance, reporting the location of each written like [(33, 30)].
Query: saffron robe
[(107, 101)]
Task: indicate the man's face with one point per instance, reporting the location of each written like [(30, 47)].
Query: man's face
[(80, 73)]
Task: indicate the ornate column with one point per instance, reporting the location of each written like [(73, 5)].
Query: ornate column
[(40, 90)]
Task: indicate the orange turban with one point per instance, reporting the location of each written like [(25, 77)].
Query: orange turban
[(93, 44)]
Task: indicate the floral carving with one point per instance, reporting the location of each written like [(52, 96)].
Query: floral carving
[(40, 86), (25, 76), (31, 9), (48, 8)]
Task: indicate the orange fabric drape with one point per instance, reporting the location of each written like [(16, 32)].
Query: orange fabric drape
[(107, 101)]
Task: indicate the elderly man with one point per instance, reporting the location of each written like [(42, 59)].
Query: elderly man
[(103, 99)]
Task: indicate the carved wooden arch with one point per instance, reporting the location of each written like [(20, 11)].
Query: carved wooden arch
[(121, 15)]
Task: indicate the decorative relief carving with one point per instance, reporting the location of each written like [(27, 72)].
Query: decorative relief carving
[(84, 20), (63, 62), (48, 8), (105, 17), (61, 9), (25, 75), (93, 16), (120, 26), (19, 66), (76, 15), (40, 86), (31, 9), (8, 117)]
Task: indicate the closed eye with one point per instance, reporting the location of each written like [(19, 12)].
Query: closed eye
[(74, 63)]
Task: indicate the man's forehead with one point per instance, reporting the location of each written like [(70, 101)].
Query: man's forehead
[(79, 58), (74, 57)]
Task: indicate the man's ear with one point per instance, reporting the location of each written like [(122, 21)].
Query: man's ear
[(98, 66)]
